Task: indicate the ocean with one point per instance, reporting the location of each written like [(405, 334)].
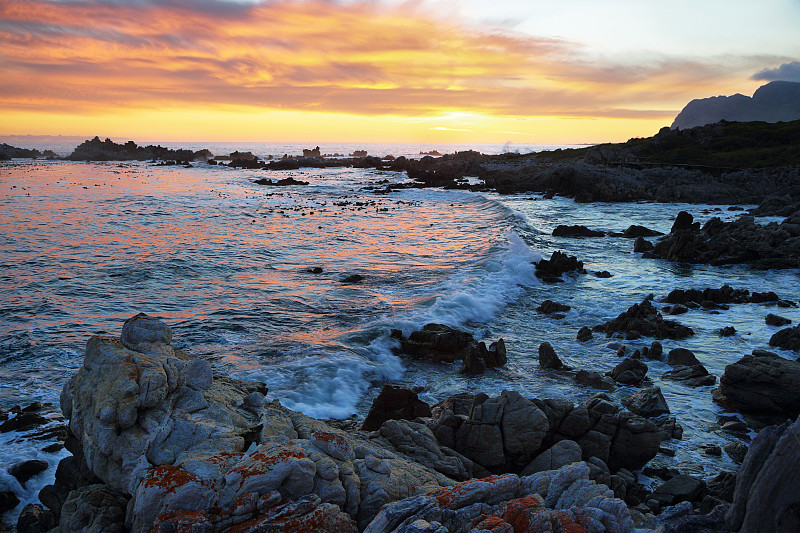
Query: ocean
[(227, 264)]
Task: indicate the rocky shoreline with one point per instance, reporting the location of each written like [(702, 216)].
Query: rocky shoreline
[(161, 443)]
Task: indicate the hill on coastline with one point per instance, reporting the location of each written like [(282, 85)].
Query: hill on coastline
[(774, 102)]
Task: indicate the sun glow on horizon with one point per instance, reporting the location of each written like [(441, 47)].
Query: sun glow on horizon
[(328, 71)]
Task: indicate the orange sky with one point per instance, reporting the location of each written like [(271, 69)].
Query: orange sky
[(325, 70)]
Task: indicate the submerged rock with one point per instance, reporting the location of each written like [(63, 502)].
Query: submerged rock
[(644, 319), (576, 231), (559, 263)]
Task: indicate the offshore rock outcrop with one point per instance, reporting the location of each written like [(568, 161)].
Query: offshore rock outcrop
[(644, 319), (442, 344), (742, 241)]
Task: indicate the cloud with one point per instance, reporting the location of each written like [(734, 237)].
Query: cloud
[(363, 58), (786, 72)]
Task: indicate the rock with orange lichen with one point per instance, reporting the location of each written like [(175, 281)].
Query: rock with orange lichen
[(558, 501)]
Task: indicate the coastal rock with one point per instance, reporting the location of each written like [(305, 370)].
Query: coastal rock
[(549, 307), (723, 295), (27, 469), (644, 319), (560, 454), (681, 488), (440, 343), (763, 384), (629, 372), (205, 450), (775, 320), (8, 500), (635, 231), (767, 494), (788, 339), (559, 263), (576, 231), (548, 357), (641, 245), (594, 379), (736, 450), (584, 334), (691, 376), (647, 402), (681, 356), (394, 403), (94, 508), (727, 331), (35, 519)]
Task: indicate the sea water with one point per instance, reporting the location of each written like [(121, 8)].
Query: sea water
[(228, 264)]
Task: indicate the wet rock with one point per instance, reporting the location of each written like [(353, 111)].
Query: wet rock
[(767, 494), (27, 469), (691, 376), (723, 295), (23, 421), (558, 264), (641, 245), (595, 380), (72, 472), (647, 402), (629, 372), (681, 356), (394, 403), (437, 342), (549, 307), (353, 278), (314, 270), (712, 449), (775, 320), (604, 274), (788, 339), (548, 357), (656, 351), (734, 426), (722, 486), (576, 231), (8, 500), (584, 334), (644, 319), (36, 519), (727, 331), (765, 385), (685, 521), (634, 231)]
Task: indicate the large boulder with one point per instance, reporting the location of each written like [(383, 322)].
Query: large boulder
[(559, 263), (763, 384), (629, 372), (441, 343), (647, 402), (767, 494), (788, 339)]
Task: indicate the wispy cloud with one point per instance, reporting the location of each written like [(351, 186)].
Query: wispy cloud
[(317, 55)]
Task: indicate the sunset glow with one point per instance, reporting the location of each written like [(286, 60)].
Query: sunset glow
[(336, 71)]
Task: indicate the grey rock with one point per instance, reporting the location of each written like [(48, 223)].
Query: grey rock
[(691, 376), (682, 488), (647, 402), (736, 450), (548, 357), (560, 454), (765, 385), (94, 508), (629, 372), (681, 356), (767, 494)]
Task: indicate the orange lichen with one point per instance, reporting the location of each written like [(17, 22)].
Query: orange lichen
[(448, 496), (518, 511), (179, 521), (169, 477), (488, 522)]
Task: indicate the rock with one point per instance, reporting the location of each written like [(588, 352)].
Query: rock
[(562, 453), (629, 372), (767, 494), (684, 221), (647, 402), (548, 357), (353, 278), (788, 339), (558, 264), (636, 442), (72, 472), (603, 274), (682, 488), (94, 508), (644, 319), (8, 500), (575, 231), (634, 231), (727, 331), (765, 385), (584, 334), (722, 486), (437, 342), (36, 519), (23, 421), (736, 450), (641, 245), (712, 449), (595, 380), (550, 307), (735, 426), (681, 356), (775, 320), (314, 270), (691, 376), (394, 403), (656, 351), (684, 521), (27, 469), (678, 309)]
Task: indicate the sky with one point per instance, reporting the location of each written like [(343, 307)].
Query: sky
[(444, 71)]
